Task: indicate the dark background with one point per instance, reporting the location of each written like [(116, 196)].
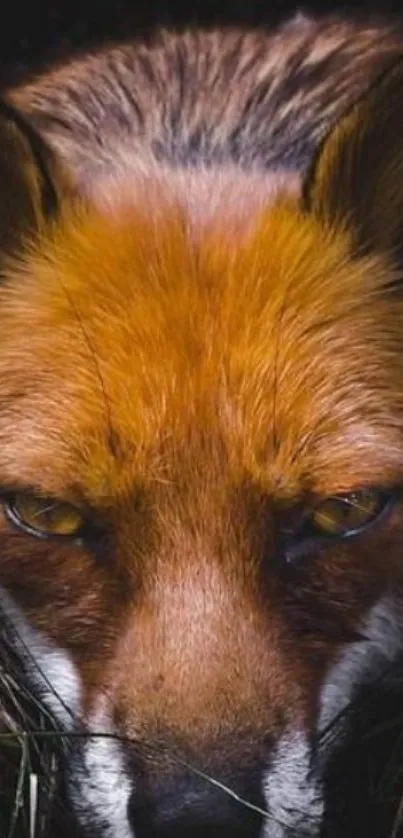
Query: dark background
[(32, 32)]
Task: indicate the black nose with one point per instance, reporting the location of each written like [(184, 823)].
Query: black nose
[(193, 807)]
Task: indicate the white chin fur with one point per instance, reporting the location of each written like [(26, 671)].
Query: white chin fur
[(292, 792), (99, 786)]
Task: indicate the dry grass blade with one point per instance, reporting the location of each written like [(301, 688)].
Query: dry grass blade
[(29, 763)]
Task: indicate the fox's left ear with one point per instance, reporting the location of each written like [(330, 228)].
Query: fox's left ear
[(357, 177), (30, 180)]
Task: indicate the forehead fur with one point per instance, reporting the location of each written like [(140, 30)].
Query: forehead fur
[(133, 343)]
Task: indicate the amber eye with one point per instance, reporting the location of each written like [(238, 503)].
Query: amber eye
[(344, 515), (43, 517)]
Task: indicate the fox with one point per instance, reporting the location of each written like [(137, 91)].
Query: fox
[(201, 418)]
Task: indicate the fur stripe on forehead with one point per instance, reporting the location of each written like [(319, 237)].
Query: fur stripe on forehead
[(199, 334)]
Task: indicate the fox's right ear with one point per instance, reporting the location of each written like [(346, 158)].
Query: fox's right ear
[(28, 180), (356, 180)]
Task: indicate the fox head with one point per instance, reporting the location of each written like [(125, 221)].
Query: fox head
[(201, 449)]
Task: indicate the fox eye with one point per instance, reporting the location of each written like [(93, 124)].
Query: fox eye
[(344, 515), (43, 517)]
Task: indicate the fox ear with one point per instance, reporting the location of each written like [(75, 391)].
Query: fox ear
[(357, 177), (28, 193)]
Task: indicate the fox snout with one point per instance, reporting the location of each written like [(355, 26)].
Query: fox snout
[(206, 723)]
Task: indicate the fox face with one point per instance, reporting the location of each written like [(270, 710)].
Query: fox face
[(201, 438)]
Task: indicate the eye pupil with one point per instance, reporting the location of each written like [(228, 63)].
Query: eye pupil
[(43, 516)]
